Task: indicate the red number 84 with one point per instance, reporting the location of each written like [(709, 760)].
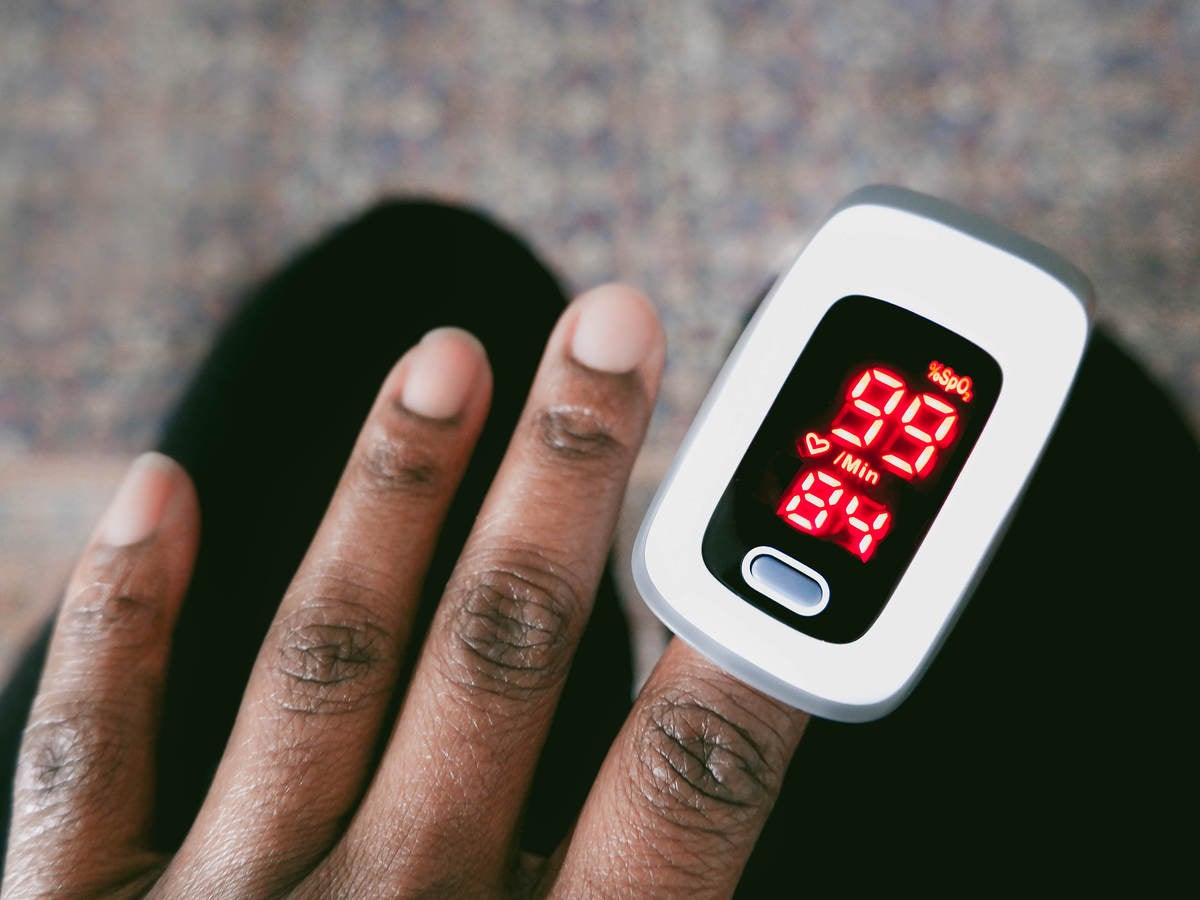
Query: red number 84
[(819, 503)]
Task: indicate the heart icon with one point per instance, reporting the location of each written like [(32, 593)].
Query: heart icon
[(815, 444)]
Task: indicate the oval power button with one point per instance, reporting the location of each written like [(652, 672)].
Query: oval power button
[(786, 581)]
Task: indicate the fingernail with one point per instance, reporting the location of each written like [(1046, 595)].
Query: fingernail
[(615, 330), (442, 370), (137, 509)]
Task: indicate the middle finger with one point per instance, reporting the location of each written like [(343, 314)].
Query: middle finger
[(442, 813)]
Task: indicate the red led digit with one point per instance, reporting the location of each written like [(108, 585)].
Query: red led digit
[(866, 524), (811, 501), (874, 396), (926, 423)]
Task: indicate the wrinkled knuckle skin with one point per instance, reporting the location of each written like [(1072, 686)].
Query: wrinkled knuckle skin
[(330, 660), (119, 603), (68, 751), (512, 627), (701, 767), (578, 435), (392, 462)]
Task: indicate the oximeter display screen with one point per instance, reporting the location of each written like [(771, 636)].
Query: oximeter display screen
[(854, 460)]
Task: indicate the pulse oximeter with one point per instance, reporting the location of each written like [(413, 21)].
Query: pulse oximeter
[(856, 461)]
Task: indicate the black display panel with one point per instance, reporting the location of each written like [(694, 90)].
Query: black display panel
[(854, 460)]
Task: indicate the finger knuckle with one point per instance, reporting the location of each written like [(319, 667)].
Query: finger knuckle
[(68, 749), (512, 629), (119, 603), (331, 657), (703, 763), (393, 461), (579, 435)]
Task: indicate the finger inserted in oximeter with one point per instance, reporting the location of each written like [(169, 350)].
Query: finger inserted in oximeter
[(854, 465)]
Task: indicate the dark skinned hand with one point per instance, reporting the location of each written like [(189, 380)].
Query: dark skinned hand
[(301, 804)]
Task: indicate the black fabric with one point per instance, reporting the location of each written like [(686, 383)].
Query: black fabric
[(1048, 742)]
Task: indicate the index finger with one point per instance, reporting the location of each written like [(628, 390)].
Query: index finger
[(686, 788)]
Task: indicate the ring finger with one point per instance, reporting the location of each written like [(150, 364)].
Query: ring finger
[(309, 722)]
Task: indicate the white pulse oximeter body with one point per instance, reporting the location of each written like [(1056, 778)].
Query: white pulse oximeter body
[(856, 461)]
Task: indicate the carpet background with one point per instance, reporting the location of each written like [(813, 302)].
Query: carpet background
[(158, 155)]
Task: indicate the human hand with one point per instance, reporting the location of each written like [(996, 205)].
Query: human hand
[(302, 803)]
